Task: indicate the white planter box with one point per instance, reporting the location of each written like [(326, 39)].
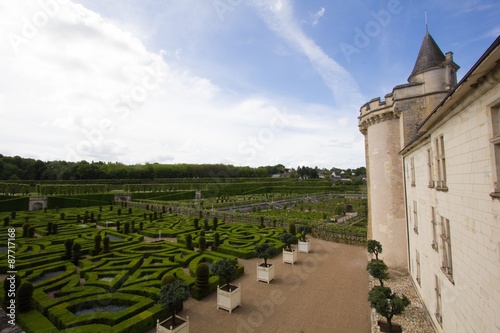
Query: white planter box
[(289, 257), (183, 328), (265, 274), (229, 300), (304, 247)]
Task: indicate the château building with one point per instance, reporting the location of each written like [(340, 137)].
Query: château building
[(433, 168)]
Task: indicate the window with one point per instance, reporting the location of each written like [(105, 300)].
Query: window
[(446, 266), (415, 217), (439, 310), (429, 167), (417, 258), (434, 229), (440, 163), (495, 140), (412, 171)]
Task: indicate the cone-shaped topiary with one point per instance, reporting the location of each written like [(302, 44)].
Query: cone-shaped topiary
[(106, 242), (189, 242), (202, 243)]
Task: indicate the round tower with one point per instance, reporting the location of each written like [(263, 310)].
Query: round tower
[(388, 125)]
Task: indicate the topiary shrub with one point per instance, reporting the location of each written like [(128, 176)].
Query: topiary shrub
[(6, 221), (216, 241), (291, 229), (374, 247), (68, 244), (118, 226), (202, 275), (126, 227), (106, 243), (76, 253), (31, 231), (23, 296), (189, 242), (215, 223), (130, 211), (167, 278), (119, 211), (97, 243), (13, 215), (387, 303), (205, 223), (202, 243), (49, 228), (25, 229), (196, 222), (54, 228), (378, 269), (141, 225)]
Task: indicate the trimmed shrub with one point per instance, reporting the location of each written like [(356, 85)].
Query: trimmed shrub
[(76, 253), (215, 223), (189, 242), (202, 275), (196, 222), (25, 229), (68, 244), (167, 278), (54, 228), (291, 228), (97, 243), (117, 225), (49, 228), (6, 221), (24, 295), (126, 227), (105, 243), (378, 269), (202, 243), (31, 232)]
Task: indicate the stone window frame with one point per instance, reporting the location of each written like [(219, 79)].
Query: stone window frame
[(412, 171), (415, 217), (435, 243), (446, 254), (495, 142), (440, 163), (439, 301), (417, 260), (430, 168)]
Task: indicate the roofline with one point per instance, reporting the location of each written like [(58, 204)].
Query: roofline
[(471, 71)]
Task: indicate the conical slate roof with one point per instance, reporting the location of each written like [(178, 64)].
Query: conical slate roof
[(429, 56)]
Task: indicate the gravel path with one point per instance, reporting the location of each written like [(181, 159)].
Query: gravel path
[(326, 291)]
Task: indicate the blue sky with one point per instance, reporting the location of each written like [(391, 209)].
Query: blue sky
[(243, 82)]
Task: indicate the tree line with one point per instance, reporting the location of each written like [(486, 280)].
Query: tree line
[(27, 169)]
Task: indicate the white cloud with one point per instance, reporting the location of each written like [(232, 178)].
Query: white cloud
[(84, 88), (279, 16), (318, 15)]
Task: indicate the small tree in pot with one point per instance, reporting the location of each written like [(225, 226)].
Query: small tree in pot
[(265, 271), (387, 304), (171, 294), (289, 255), (229, 296), (303, 244)]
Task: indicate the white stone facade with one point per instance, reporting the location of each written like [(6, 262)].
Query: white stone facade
[(470, 290), (449, 160)]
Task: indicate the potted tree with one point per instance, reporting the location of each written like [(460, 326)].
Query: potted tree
[(171, 294), (303, 244), (228, 296), (265, 271), (381, 298), (387, 304), (289, 254)]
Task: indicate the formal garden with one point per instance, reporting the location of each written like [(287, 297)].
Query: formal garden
[(103, 268)]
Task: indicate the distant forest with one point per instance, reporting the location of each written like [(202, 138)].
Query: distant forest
[(25, 169)]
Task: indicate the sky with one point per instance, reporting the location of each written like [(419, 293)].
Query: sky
[(241, 82)]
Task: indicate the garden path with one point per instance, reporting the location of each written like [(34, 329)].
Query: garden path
[(325, 291)]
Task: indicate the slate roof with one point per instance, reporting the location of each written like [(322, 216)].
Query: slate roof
[(429, 56)]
